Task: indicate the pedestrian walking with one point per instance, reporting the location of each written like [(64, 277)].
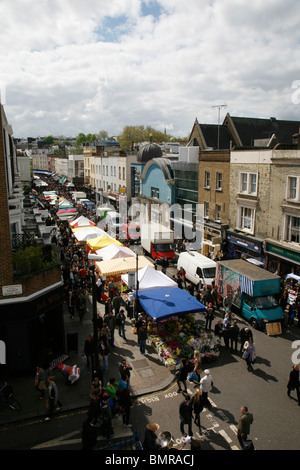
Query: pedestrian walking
[(40, 381), (89, 352), (197, 407), (245, 334), (219, 328), (150, 439), (106, 416), (205, 386), (197, 364), (103, 354), (186, 415), (209, 316), (54, 403), (234, 335), (125, 369), (125, 404), (245, 421), (120, 322), (249, 354), (294, 382), (112, 389), (110, 321), (181, 374), (71, 303), (89, 434), (142, 337), (96, 396)]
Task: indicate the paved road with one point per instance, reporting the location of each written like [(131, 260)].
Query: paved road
[(276, 418)]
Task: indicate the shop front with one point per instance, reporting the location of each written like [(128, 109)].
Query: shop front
[(282, 258), (243, 246), (30, 328)]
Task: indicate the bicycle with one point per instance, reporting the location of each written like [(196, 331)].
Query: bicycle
[(7, 395)]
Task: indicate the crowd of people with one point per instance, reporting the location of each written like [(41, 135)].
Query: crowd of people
[(113, 398)]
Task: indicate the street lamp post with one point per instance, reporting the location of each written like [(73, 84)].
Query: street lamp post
[(95, 319), (137, 251)]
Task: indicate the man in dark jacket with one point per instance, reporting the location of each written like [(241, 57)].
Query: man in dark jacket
[(89, 434), (234, 335), (245, 422), (186, 414), (142, 336), (89, 351)]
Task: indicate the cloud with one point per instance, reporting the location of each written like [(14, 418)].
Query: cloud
[(73, 66)]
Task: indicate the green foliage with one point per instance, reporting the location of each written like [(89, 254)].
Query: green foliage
[(133, 135), (82, 138), (49, 140)]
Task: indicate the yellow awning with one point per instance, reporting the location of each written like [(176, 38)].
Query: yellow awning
[(101, 242), (122, 265)]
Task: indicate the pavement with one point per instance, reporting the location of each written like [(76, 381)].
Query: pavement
[(148, 374)]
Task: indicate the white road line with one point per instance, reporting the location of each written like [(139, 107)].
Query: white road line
[(233, 428), (225, 435), (59, 441)]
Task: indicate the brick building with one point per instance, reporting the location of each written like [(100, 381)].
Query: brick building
[(31, 301)]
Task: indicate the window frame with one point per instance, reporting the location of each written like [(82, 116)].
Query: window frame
[(248, 191)]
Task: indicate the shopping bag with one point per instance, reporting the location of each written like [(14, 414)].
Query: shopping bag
[(192, 377)]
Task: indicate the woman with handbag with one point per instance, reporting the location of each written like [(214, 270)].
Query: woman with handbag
[(249, 354), (197, 364)]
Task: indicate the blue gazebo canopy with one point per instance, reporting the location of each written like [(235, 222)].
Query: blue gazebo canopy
[(163, 302)]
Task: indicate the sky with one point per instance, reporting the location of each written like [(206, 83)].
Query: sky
[(71, 66)]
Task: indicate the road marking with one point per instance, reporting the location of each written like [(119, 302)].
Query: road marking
[(62, 440), (225, 435)]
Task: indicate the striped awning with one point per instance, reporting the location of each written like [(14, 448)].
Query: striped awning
[(246, 285), (122, 265)]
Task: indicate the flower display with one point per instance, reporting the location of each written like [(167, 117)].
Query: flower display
[(179, 337)]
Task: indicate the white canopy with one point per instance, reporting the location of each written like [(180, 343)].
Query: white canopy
[(81, 221), (88, 233), (114, 251), (149, 278)]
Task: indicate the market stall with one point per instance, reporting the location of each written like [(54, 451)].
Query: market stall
[(292, 284), (173, 331), (178, 337), (95, 244), (113, 269), (87, 233), (150, 278), (81, 221), (114, 251)]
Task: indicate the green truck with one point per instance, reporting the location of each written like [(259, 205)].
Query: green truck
[(251, 290)]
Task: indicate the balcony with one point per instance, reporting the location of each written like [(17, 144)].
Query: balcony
[(29, 259)]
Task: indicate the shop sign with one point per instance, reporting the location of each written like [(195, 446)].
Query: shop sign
[(244, 243), (15, 289), (290, 255)]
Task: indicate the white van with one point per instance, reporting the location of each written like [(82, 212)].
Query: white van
[(197, 267)]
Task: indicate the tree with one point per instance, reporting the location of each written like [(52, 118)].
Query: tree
[(133, 135), (48, 140), (82, 138)]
